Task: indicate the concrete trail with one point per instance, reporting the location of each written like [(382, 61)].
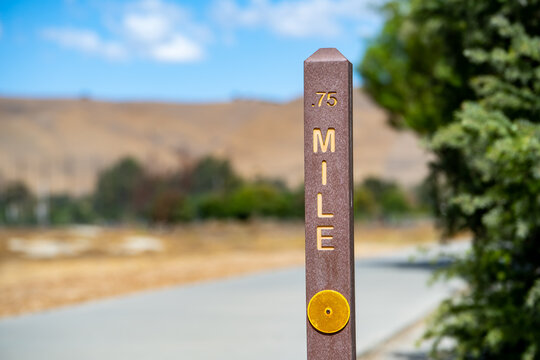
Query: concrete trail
[(259, 316)]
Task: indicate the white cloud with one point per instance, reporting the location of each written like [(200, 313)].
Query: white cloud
[(177, 49), (163, 32), (151, 21), (86, 41), (149, 29), (300, 19)]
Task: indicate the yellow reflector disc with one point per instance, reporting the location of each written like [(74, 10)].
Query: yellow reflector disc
[(328, 311)]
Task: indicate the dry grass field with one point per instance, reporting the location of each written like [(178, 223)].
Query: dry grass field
[(46, 268)]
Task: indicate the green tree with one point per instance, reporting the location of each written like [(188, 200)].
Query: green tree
[(17, 204), (466, 75), (115, 190), (212, 205), (213, 175), (389, 199), (64, 209), (295, 201), (365, 205), (259, 199)]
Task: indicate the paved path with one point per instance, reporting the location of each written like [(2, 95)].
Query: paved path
[(259, 316), (402, 347)]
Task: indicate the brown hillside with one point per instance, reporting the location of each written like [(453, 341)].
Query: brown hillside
[(60, 145)]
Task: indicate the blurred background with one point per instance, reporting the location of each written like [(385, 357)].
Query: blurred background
[(138, 135)]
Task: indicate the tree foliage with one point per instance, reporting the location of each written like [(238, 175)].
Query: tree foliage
[(64, 209), (466, 75), (381, 199), (209, 188), (115, 189), (213, 175), (16, 204)]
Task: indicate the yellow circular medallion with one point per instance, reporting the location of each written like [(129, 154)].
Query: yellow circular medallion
[(328, 311)]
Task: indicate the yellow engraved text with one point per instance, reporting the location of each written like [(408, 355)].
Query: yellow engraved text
[(321, 237), (330, 139), (320, 210), (323, 172), (321, 98), (331, 100)]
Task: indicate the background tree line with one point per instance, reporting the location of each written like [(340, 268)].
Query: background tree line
[(209, 188)]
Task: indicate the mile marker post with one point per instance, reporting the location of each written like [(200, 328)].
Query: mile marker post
[(329, 206)]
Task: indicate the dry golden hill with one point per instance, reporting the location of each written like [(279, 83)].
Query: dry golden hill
[(60, 145)]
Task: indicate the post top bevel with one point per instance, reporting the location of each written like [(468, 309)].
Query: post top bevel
[(326, 54)]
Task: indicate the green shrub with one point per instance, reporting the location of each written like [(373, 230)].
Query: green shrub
[(365, 205), (213, 175), (64, 209), (116, 186), (17, 205), (381, 199), (466, 75)]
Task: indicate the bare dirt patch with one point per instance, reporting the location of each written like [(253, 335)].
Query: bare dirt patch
[(46, 268)]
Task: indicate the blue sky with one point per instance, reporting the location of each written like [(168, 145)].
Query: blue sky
[(164, 50)]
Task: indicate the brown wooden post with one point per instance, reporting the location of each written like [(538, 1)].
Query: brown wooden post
[(329, 206)]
